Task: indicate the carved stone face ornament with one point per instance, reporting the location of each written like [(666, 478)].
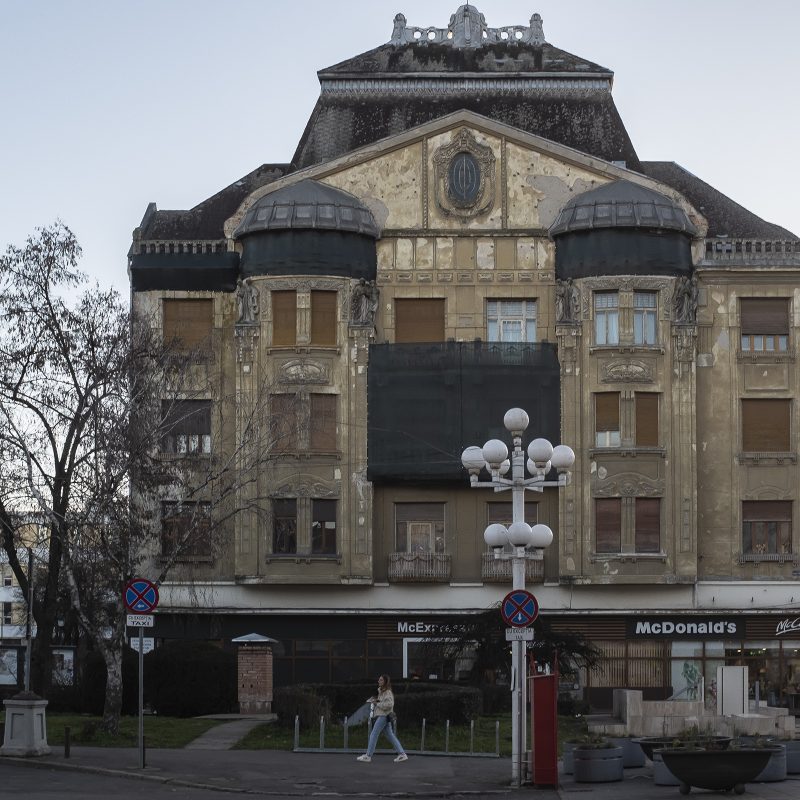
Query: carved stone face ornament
[(464, 177)]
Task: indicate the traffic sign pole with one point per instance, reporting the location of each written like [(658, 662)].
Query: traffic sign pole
[(141, 698)]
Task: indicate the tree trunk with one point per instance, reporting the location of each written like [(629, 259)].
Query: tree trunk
[(113, 702)]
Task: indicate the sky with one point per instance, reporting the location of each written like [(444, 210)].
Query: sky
[(108, 105)]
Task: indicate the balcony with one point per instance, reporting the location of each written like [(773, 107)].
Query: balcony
[(419, 567), (497, 570)]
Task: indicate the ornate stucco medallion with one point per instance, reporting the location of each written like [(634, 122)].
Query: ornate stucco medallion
[(464, 176)]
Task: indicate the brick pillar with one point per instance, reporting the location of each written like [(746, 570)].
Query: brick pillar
[(255, 678)]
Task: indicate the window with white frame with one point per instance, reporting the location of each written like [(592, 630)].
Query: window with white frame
[(186, 427), (511, 320), (419, 527), (606, 318), (644, 317)]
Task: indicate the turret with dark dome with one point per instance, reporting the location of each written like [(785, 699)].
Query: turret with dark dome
[(622, 228)]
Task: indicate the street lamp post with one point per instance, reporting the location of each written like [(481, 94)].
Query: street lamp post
[(494, 457)]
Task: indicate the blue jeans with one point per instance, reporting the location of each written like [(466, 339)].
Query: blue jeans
[(382, 724)]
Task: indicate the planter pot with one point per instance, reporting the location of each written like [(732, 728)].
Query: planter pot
[(776, 766), (715, 769), (632, 753), (597, 764), (566, 757), (650, 743), (792, 756), (661, 774)]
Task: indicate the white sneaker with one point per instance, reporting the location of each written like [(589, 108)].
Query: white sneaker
[(401, 757), (365, 757)]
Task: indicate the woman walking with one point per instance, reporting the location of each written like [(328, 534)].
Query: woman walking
[(382, 707)]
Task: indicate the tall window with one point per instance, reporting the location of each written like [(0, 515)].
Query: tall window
[(284, 526), (766, 527), (186, 426), (647, 533), (283, 422), (7, 580), (766, 426), (608, 525), (765, 324), (606, 419), (186, 529), (188, 323), (606, 318), (419, 320), (511, 320), (323, 318), (644, 317), (646, 419), (419, 527), (284, 318), (6, 613), (323, 527), (322, 423)]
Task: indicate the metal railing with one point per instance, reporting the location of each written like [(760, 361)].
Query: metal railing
[(499, 570), (422, 567)]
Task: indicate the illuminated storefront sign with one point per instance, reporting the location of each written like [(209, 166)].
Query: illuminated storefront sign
[(661, 627)]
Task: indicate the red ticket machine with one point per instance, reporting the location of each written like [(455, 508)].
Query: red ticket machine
[(543, 697)]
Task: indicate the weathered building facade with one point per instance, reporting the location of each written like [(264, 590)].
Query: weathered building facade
[(466, 227)]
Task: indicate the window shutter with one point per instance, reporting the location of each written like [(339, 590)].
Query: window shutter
[(323, 318), (767, 511), (765, 426), (768, 315), (646, 419), (606, 411), (419, 320), (284, 318), (323, 423), (608, 525), (648, 525), (188, 323)]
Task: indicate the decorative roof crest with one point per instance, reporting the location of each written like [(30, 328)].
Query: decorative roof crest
[(467, 28)]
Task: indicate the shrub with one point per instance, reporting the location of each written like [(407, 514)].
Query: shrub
[(496, 699), (93, 683), (301, 700), (188, 679)]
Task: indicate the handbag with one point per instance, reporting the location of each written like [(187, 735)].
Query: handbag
[(392, 717)]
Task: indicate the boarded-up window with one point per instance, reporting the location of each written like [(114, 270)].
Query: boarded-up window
[(188, 323), (186, 529), (323, 527), (606, 417), (608, 525), (186, 426), (323, 318), (647, 536), (283, 422), (766, 527), (323, 423), (646, 419), (284, 526), (765, 426), (419, 527), (284, 318), (419, 320)]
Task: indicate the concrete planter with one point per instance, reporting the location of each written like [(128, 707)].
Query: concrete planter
[(661, 774), (792, 756), (777, 766), (597, 764), (632, 753), (567, 762), (715, 769)]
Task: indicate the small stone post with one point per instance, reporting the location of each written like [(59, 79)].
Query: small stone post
[(254, 673), (26, 729)]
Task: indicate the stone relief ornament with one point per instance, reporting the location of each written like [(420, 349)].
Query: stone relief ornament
[(568, 301), (629, 484), (627, 372), (301, 371), (464, 174), (684, 300), (364, 303), (247, 302)]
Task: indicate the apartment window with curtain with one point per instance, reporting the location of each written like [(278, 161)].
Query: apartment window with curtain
[(608, 525), (187, 324), (322, 423), (323, 318), (606, 318), (647, 532), (646, 434), (764, 324), (766, 426), (511, 320), (644, 317), (766, 527), (606, 419), (284, 318), (419, 527), (419, 320), (186, 529), (323, 527), (284, 526), (186, 427)]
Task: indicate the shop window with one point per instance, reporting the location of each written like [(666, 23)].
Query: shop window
[(283, 422), (765, 324), (766, 527), (646, 419), (606, 419), (323, 318), (322, 423), (186, 427), (186, 529), (419, 527), (323, 527), (644, 317), (284, 526), (647, 532), (511, 320), (608, 525), (765, 426), (284, 318), (187, 324), (418, 320), (606, 318)]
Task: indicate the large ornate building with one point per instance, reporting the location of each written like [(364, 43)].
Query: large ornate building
[(466, 227)]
